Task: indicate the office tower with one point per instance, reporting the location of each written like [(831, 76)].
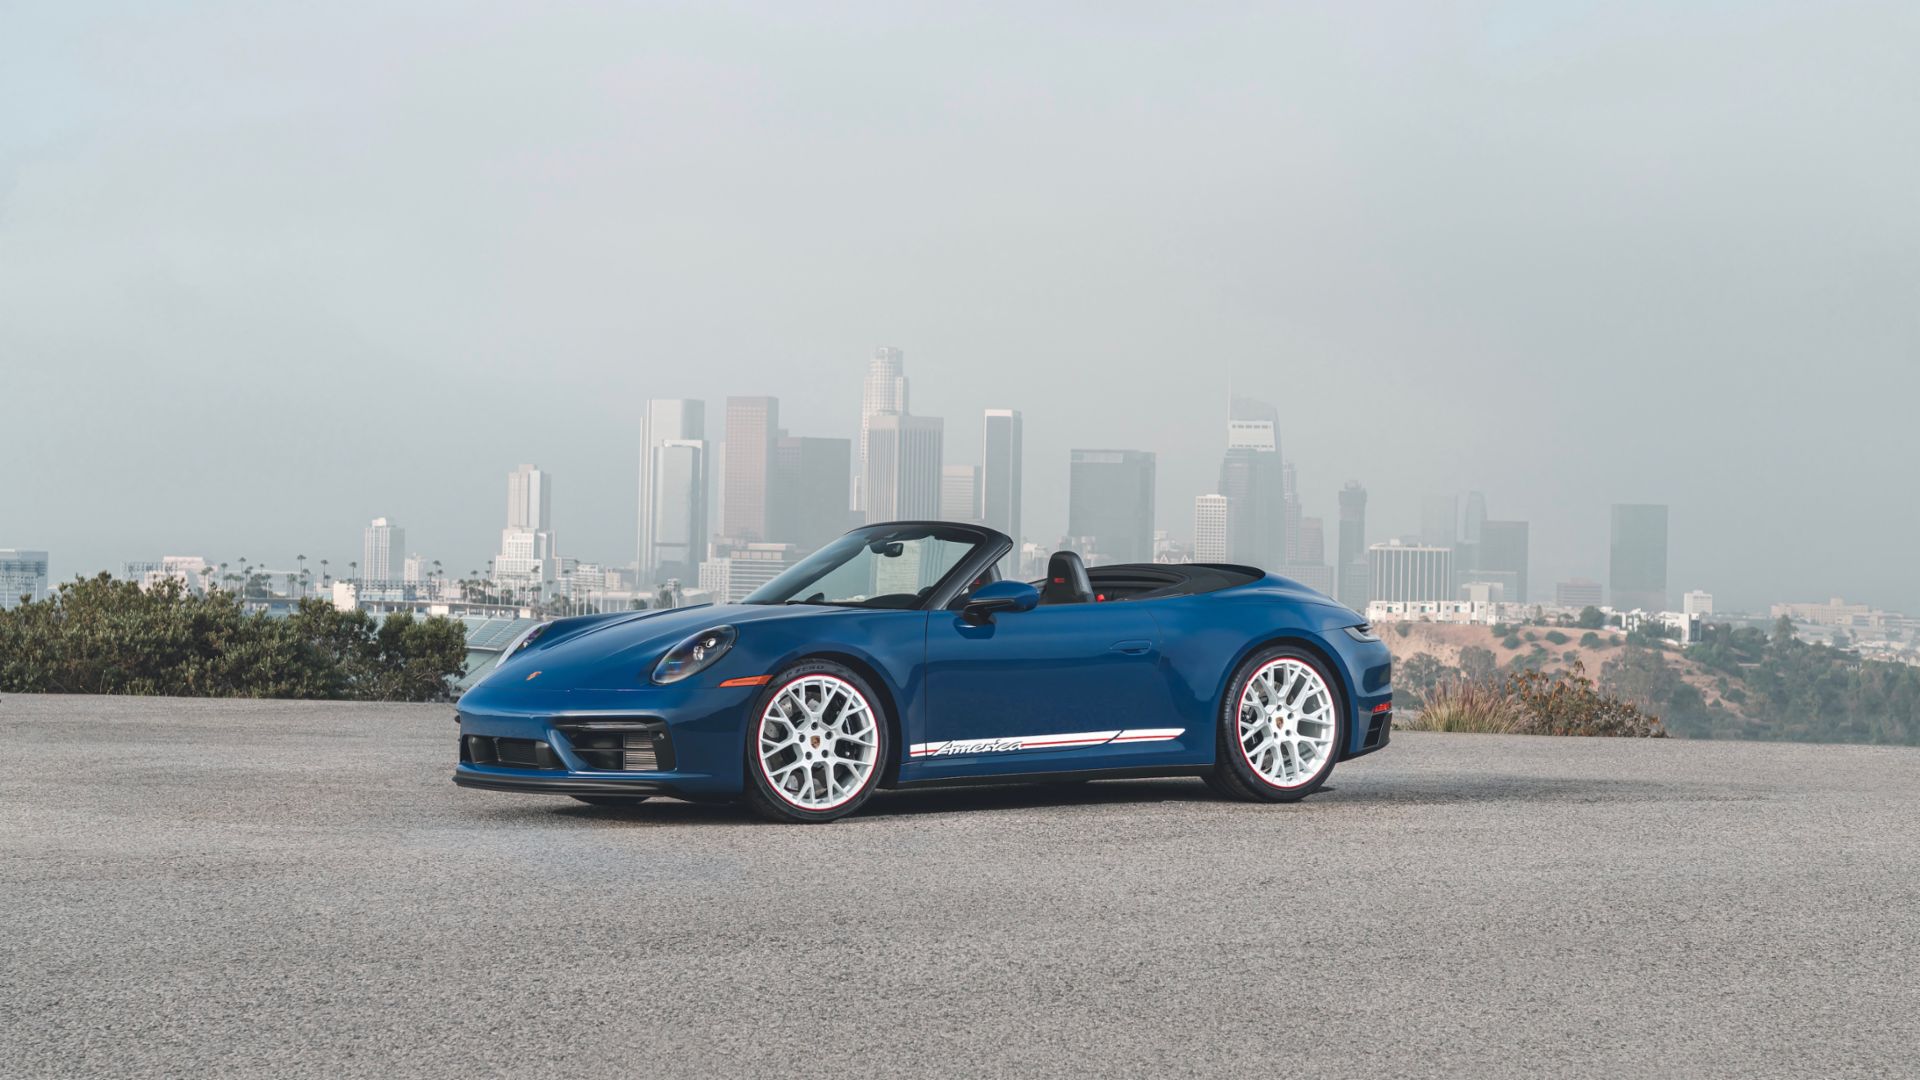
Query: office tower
[(885, 392), (1002, 458), (960, 493), (675, 522), (1313, 542), (1252, 478), (1696, 602), (1440, 520), (1637, 559), (673, 487), (737, 569), (527, 558), (1352, 567), (903, 467), (1502, 556), (1408, 573), (1577, 593), (414, 570), (753, 425), (1110, 503), (1210, 516), (383, 550), (23, 576), (1290, 496), (1466, 553), (809, 497), (529, 499)]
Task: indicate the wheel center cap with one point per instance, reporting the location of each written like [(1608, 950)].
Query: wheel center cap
[(816, 742)]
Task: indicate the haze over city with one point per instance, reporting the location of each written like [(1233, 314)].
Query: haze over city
[(266, 275)]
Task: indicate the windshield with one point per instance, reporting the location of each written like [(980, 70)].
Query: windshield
[(885, 566)]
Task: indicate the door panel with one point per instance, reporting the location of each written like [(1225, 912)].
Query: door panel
[(1063, 686)]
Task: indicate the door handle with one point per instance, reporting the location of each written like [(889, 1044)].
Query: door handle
[(1137, 647)]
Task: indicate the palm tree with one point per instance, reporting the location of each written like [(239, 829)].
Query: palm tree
[(326, 579), (353, 570)]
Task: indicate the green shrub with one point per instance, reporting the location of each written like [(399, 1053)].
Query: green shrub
[(1533, 703), (1556, 637), (1469, 705), (1511, 641), (1589, 640)]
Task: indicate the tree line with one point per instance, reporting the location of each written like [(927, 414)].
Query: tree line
[(101, 636)]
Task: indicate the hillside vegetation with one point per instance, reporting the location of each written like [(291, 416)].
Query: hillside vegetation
[(1733, 684)]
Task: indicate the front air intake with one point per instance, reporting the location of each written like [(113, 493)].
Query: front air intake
[(636, 745)]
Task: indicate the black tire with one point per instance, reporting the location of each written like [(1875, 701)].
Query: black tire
[(1233, 773), (761, 795), (611, 802)]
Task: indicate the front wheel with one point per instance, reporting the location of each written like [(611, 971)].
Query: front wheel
[(1279, 729), (816, 744)]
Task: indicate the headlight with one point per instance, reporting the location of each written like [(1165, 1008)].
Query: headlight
[(1363, 632), (694, 655)]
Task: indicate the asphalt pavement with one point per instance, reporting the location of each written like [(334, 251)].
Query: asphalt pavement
[(279, 889)]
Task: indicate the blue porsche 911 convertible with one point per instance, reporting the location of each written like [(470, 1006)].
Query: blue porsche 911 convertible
[(896, 656)]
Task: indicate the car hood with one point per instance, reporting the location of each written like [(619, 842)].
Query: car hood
[(618, 653)]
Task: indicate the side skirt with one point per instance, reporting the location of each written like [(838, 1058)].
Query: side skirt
[(1143, 773)]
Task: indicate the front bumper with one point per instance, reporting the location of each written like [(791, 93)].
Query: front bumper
[(684, 742)]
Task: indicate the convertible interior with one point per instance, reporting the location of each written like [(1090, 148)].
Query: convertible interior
[(1070, 581)]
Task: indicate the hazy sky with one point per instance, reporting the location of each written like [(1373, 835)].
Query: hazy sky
[(269, 271)]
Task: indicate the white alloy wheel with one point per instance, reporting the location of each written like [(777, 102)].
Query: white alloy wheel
[(1286, 722), (819, 742)]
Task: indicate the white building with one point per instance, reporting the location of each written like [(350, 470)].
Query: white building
[(1210, 528), (23, 576), (1696, 602), (674, 464), (960, 493), (382, 551), (191, 571), (736, 570), (528, 558), (903, 466), (1409, 573), (885, 392)]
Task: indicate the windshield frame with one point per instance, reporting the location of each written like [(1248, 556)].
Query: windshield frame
[(988, 545)]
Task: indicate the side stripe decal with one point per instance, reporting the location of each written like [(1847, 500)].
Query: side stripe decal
[(1073, 741)]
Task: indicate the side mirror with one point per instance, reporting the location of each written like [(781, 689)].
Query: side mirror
[(999, 596)]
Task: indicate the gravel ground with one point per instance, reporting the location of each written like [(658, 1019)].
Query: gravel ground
[(198, 889)]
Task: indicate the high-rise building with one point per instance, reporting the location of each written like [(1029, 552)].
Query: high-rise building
[(1407, 573), (1696, 602), (529, 499), (1440, 520), (1110, 503), (1466, 553), (736, 570), (1503, 551), (1210, 516), (1252, 477), (383, 550), (1351, 569), (1290, 494), (903, 467), (528, 559), (753, 426), (1577, 593), (23, 576), (1637, 558), (960, 493), (673, 488), (885, 391), (1001, 457), (809, 497), (1313, 542)]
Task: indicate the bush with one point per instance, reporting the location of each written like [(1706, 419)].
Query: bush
[(1469, 705), (1589, 640), (101, 636), (1511, 641), (1534, 703), (1402, 628), (1556, 637)]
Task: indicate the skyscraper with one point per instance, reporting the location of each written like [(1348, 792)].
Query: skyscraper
[(1408, 574), (1351, 571), (383, 552), (1210, 516), (1001, 456), (1313, 542), (1637, 557), (1252, 478), (1110, 503), (673, 488), (1502, 557), (960, 493), (809, 497), (529, 499), (903, 467), (885, 392), (753, 425)]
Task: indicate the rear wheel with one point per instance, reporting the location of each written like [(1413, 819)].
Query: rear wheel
[(1280, 728), (816, 746)]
